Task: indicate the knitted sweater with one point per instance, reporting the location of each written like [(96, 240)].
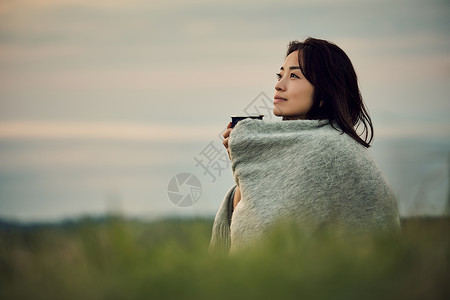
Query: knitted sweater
[(305, 170)]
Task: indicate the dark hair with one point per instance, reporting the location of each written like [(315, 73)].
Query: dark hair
[(336, 93)]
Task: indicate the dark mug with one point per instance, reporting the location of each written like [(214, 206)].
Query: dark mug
[(236, 119)]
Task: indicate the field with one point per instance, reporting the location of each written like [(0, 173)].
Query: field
[(115, 258)]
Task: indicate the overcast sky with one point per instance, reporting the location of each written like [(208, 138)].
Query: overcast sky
[(173, 71)]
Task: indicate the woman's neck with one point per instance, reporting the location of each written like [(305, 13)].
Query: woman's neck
[(292, 118)]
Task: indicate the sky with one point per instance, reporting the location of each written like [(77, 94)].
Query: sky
[(102, 104)]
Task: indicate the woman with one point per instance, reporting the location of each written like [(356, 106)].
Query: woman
[(314, 167)]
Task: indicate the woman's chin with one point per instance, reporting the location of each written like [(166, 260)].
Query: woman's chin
[(277, 112)]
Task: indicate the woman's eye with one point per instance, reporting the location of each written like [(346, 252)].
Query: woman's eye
[(278, 76), (294, 75)]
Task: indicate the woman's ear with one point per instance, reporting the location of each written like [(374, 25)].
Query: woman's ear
[(320, 103)]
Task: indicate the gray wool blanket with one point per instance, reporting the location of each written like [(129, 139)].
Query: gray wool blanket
[(305, 170)]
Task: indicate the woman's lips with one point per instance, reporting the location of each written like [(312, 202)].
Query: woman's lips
[(278, 100)]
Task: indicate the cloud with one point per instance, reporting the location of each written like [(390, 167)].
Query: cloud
[(55, 52), (95, 155), (104, 131), (404, 129)]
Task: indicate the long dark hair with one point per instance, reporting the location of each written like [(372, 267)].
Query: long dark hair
[(336, 93)]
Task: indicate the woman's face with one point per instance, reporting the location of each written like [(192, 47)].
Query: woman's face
[(293, 92)]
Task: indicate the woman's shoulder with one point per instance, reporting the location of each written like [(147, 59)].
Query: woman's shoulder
[(330, 144)]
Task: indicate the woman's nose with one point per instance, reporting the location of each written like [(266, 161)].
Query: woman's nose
[(279, 86)]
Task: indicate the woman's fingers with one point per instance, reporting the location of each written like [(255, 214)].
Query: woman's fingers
[(225, 135), (225, 143)]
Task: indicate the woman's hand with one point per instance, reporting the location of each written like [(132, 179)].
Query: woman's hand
[(225, 135), (237, 193)]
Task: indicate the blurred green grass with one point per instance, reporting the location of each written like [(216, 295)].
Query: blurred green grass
[(116, 258)]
